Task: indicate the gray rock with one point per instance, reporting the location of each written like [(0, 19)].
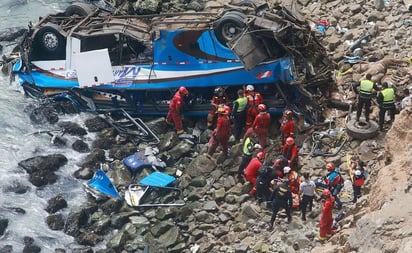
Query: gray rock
[(55, 221), (200, 165), (169, 238), (4, 223), (56, 203), (210, 206)]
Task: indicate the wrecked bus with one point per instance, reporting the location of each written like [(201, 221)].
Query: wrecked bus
[(97, 60)]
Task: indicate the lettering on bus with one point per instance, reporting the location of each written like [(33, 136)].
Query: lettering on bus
[(126, 75)]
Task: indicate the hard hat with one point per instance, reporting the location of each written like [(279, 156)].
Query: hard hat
[(286, 170), (250, 88), (183, 90), (261, 155), (330, 166), (261, 107), (227, 110), (290, 140), (326, 192), (218, 90), (288, 113), (257, 146), (358, 172), (221, 109)]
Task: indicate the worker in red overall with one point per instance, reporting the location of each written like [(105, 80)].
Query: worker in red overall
[(287, 126), (252, 170), (260, 125), (175, 108), (326, 218), (219, 99), (222, 132), (254, 99), (290, 151)]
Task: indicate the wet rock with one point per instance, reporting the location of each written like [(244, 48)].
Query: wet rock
[(43, 163), (4, 223), (29, 246), (121, 151), (101, 224), (12, 33), (72, 128), (6, 249), (91, 164), (80, 146), (89, 238), (77, 220), (111, 206), (17, 188), (56, 203), (44, 114), (84, 250), (96, 124), (55, 221), (120, 219)]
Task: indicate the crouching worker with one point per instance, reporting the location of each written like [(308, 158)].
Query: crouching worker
[(326, 219), (252, 170), (249, 146), (281, 198), (263, 182)]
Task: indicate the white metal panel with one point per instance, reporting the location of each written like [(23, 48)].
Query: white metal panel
[(72, 48), (93, 68)]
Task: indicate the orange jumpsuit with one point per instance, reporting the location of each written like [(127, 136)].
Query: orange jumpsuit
[(173, 115), (326, 219), (253, 100)]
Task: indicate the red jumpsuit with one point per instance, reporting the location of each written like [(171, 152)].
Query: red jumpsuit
[(287, 128), (326, 219), (294, 181), (253, 100), (173, 115), (252, 171), (216, 101), (261, 127), (291, 153), (220, 135)]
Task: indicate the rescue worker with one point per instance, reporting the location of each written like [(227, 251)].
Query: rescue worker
[(175, 109), (334, 180), (221, 133), (287, 126), (260, 125), (281, 197), (279, 164), (407, 99), (293, 178), (307, 191), (252, 170), (326, 218), (219, 99), (263, 187), (364, 96), (254, 99), (239, 114), (357, 182), (249, 145), (386, 102), (290, 151)]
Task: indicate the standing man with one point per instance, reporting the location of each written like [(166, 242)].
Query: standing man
[(386, 102), (307, 193), (364, 96), (175, 108), (287, 126), (239, 114), (406, 100), (281, 198), (221, 133), (260, 125), (290, 151), (326, 218), (219, 99), (253, 100)]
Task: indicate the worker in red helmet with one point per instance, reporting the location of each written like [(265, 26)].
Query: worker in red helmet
[(251, 171), (287, 126), (260, 125), (175, 109), (290, 151), (335, 182), (254, 98), (326, 218), (222, 132), (219, 99)]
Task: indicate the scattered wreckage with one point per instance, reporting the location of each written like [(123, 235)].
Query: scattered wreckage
[(96, 60)]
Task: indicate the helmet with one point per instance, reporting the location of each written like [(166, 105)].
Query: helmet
[(358, 173), (261, 107), (261, 155), (183, 90), (227, 109), (221, 109), (286, 170), (250, 88), (288, 113), (326, 192), (290, 140), (330, 166), (218, 90)]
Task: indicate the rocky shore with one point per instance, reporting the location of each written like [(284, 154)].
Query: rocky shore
[(219, 215)]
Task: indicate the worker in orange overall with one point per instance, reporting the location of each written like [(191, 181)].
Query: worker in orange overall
[(252, 170), (222, 132), (175, 108), (254, 99), (260, 125), (326, 218), (219, 99), (290, 151), (287, 126)]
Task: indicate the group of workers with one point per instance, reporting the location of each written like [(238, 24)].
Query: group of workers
[(386, 99)]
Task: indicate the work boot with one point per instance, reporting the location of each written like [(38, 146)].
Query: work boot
[(290, 220), (321, 239), (303, 217), (270, 227)]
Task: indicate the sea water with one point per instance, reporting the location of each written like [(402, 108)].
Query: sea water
[(20, 140)]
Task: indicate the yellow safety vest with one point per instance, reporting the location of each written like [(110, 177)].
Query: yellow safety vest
[(388, 97), (242, 102), (246, 150), (365, 90)]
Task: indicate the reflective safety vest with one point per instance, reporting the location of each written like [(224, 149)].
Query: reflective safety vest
[(388, 97), (242, 102), (248, 147), (365, 90)]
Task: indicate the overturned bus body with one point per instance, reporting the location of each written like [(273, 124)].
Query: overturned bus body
[(98, 60)]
